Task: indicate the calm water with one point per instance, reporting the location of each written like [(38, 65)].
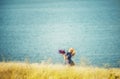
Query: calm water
[(36, 30)]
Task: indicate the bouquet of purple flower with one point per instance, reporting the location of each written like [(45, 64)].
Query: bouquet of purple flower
[(61, 51)]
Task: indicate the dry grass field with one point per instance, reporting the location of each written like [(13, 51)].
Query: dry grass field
[(17, 70)]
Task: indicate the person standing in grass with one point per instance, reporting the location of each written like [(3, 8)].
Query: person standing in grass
[(67, 56)]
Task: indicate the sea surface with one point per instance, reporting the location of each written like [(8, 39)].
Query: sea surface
[(35, 30)]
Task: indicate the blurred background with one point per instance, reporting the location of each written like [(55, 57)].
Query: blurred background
[(36, 29)]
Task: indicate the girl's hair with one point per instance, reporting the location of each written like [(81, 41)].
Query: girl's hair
[(72, 51)]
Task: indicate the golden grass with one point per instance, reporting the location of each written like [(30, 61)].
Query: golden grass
[(12, 70)]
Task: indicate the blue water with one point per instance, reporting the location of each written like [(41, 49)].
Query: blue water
[(37, 29)]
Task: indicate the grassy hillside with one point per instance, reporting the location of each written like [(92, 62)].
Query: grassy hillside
[(12, 70)]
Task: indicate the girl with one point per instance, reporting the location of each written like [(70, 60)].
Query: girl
[(67, 56)]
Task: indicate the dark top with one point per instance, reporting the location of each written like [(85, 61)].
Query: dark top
[(68, 60), (68, 54)]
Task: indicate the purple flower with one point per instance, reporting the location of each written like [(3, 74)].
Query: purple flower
[(62, 51)]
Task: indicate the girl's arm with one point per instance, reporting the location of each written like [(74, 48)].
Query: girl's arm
[(64, 56)]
